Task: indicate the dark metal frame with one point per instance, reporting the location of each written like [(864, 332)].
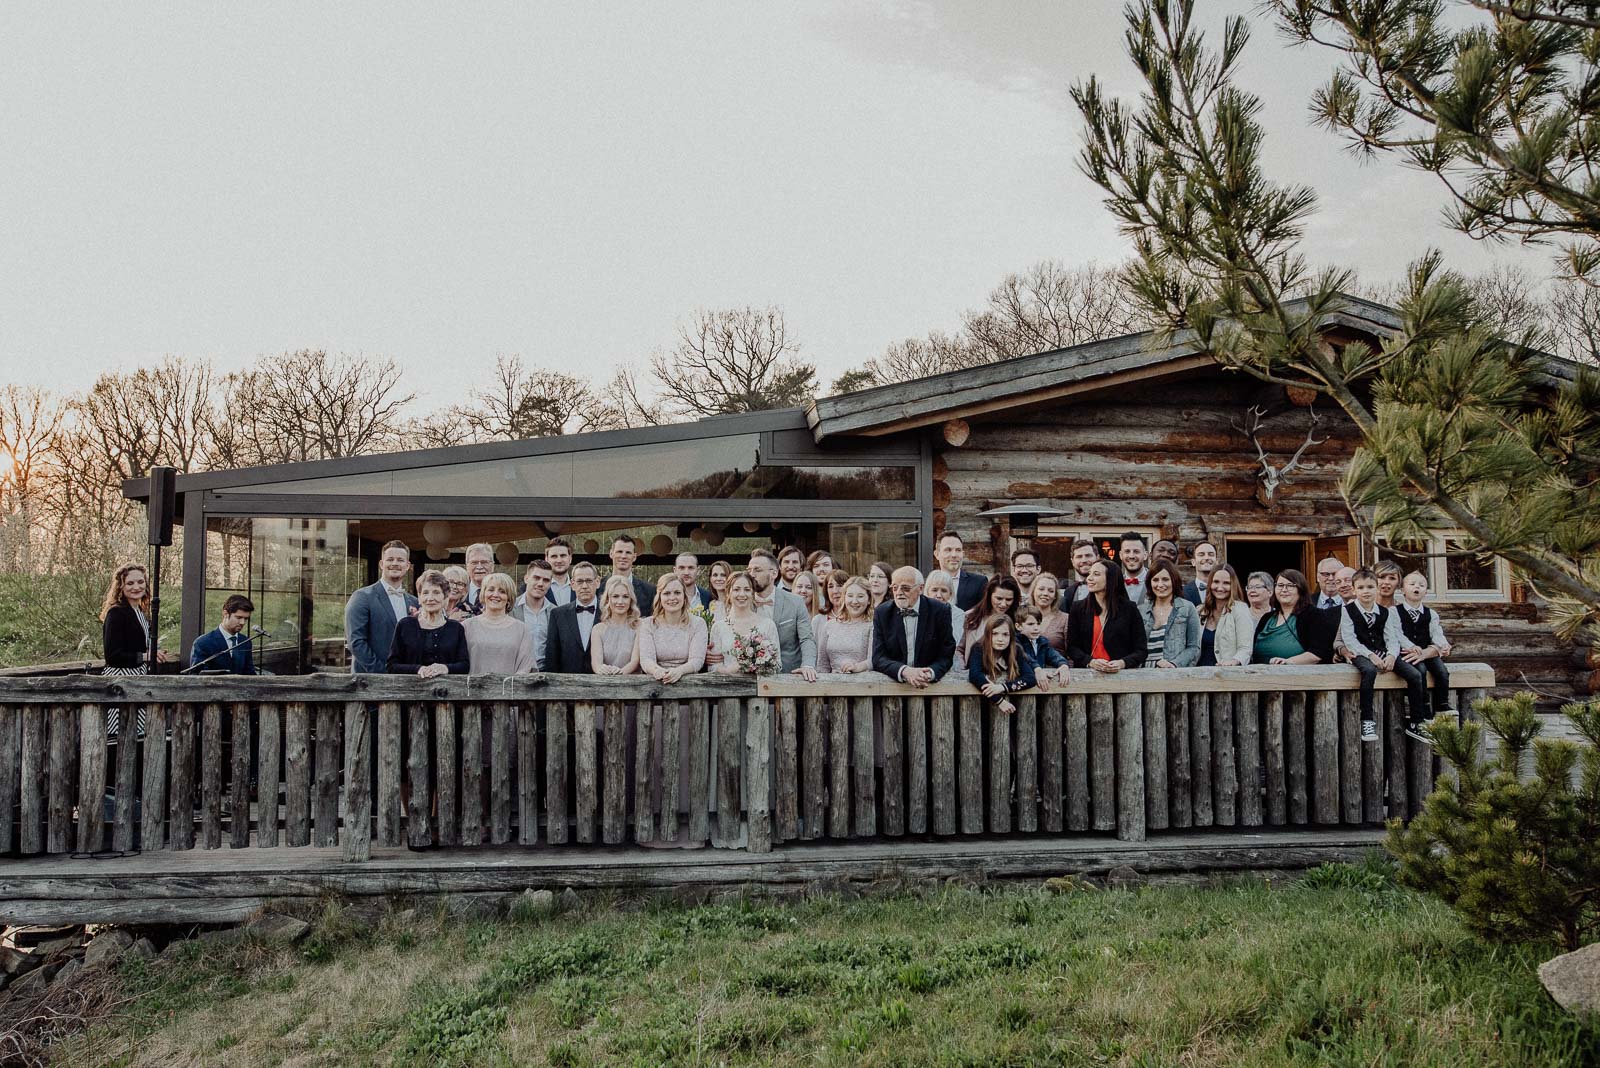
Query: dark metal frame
[(786, 440)]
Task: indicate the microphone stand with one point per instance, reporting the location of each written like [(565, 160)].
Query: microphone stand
[(226, 650)]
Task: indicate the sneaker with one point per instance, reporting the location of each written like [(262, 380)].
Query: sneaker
[(1418, 732), (1369, 731)]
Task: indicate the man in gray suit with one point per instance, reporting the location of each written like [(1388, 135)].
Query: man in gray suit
[(372, 612), (796, 646)]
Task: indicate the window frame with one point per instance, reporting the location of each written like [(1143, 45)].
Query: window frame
[(1438, 570)]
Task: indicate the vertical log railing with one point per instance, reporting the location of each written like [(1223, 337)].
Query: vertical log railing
[(355, 762)]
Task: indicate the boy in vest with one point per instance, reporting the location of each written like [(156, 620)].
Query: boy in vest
[(1372, 634), (1420, 626)]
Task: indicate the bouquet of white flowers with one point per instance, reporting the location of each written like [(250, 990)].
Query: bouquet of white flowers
[(755, 653)]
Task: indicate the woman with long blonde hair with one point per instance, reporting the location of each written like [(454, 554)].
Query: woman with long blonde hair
[(614, 644)]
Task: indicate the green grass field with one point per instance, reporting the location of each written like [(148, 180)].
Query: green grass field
[(1342, 969)]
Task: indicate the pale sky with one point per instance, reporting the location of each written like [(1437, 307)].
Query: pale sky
[(444, 183)]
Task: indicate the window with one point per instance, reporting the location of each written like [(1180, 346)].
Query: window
[(1053, 544), (1454, 572)]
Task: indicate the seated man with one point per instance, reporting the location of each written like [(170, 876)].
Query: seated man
[(912, 640), (228, 647)]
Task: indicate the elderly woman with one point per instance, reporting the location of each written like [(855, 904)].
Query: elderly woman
[(940, 585), (498, 643), (429, 643), (456, 583)]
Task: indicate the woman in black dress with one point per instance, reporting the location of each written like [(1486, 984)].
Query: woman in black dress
[(1105, 631), (124, 630), (429, 643)]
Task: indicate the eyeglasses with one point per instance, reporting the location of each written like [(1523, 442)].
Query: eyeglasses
[(902, 588), (1284, 586)]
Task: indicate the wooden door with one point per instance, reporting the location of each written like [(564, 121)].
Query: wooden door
[(1346, 548)]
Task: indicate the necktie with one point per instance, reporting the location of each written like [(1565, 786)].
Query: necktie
[(590, 608), (908, 613)]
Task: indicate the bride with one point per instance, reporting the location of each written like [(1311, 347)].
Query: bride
[(741, 620)]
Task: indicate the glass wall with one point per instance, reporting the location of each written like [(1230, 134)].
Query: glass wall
[(300, 572)]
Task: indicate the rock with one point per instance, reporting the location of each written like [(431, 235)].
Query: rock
[(68, 972), (1068, 884), (533, 902), (16, 962), (107, 947), (277, 929), (1123, 877), (474, 906), (142, 948), (1573, 979), (60, 944), (34, 981), (221, 936), (406, 918), (570, 901)]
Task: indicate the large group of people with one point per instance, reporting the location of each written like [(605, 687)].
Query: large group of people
[(793, 612)]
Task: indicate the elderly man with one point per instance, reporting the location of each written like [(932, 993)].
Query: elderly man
[(796, 647), (480, 563), (1344, 583), (687, 568), (1328, 583), (912, 639)]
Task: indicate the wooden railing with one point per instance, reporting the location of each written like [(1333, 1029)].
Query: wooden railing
[(347, 760)]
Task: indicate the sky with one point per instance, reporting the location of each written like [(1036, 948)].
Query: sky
[(443, 184)]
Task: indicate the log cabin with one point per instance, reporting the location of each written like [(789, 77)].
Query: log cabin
[(1093, 440)]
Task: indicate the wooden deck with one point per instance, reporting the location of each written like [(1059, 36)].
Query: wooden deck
[(226, 885)]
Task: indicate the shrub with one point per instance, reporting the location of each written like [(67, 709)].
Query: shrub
[(1518, 858)]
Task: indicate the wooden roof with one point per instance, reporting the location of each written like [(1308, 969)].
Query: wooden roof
[(1042, 377)]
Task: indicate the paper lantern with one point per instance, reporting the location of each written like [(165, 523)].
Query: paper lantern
[(591, 546), (553, 527), (661, 545), (714, 538), (506, 553), (436, 532), (438, 551), (697, 534), (751, 527)]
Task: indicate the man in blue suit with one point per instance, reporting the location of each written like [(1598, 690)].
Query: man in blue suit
[(372, 612), (228, 647)]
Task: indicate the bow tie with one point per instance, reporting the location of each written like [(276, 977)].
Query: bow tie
[(908, 613), (592, 609), (1130, 582)]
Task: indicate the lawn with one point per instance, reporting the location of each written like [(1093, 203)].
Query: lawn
[(1342, 969)]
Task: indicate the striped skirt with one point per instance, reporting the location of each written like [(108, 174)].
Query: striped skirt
[(114, 715)]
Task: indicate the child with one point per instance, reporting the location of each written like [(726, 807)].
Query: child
[(1420, 625), (1049, 665), (996, 667), (1372, 635)]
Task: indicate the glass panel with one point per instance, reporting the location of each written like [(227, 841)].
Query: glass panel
[(1411, 554), (1472, 573), (856, 546), (722, 468)]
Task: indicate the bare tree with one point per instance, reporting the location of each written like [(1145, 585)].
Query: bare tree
[(1575, 320), (733, 360), (623, 403), (29, 432), (310, 405), (1048, 306), (528, 402), (1052, 306)]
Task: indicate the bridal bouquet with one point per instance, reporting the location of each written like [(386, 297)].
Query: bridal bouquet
[(755, 654)]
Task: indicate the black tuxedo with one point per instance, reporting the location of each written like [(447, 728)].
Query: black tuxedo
[(643, 592), (936, 642), (969, 589), (564, 650)]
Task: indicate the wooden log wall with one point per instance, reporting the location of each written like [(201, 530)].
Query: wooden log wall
[(355, 762), (1166, 455)]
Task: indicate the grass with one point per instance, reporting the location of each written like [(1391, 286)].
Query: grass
[(1343, 968)]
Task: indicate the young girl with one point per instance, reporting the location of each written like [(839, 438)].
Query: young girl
[(845, 642), (996, 667), (614, 645)]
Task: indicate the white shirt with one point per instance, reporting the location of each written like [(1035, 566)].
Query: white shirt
[(397, 600), (472, 593), (1329, 600), (538, 624), (587, 620), (910, 624), (1136, 587), (560, 593)]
